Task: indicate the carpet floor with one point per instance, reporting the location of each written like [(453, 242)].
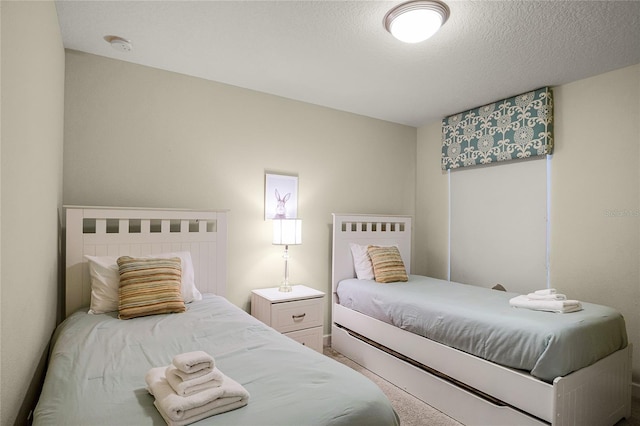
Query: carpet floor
[(414, 412)]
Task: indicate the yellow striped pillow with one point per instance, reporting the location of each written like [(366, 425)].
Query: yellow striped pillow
[(149, 287), (387, 264)]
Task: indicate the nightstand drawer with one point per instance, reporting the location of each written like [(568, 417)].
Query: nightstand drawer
[(296, 315), (311, 338)]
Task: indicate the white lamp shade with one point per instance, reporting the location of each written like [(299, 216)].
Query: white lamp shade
[(287, 231)]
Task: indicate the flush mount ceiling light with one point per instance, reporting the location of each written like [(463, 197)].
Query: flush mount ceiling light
[(415, 21), (119, 43)]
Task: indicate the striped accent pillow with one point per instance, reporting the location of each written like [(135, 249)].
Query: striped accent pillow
[(149, 286), (387, 264)]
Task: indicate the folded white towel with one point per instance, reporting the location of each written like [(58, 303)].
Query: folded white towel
[(545, 292), (556, 296), (560, 306), (191, 362), (198, 417), (182, 410), (190, 376), (188, 387)]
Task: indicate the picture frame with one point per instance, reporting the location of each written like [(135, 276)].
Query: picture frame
[(280, 196)]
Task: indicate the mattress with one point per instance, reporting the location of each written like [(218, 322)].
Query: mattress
[(481, 322), (98, 364)]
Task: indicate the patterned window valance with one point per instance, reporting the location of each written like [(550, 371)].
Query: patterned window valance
[(518, 127)]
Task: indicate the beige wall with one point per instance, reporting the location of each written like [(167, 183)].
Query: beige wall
[(137, 136), (595, 196), (431, 224), (596, 174), (31, 161)]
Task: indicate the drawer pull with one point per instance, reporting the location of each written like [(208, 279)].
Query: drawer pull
[(298, 317)]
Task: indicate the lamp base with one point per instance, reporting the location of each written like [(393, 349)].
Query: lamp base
[(285, 288)]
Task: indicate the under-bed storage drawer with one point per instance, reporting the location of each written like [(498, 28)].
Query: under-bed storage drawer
[(296, 315)]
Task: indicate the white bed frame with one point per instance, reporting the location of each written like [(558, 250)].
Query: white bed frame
[(469, 389), (107, 231)]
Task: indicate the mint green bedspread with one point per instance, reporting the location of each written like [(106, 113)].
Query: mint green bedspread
[(98, 364), (481, 322)]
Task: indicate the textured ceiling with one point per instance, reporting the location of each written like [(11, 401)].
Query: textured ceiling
[(337, 53)]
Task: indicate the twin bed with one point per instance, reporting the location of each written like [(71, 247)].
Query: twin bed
[(466, 351), (98, 363)]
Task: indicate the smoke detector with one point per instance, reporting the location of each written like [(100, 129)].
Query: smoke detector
[(118, 43)]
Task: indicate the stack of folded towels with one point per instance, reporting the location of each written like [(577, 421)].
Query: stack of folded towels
[(546, 300), (192, 388)]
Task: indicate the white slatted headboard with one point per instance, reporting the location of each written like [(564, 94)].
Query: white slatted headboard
[(105, 231), (364, 230)]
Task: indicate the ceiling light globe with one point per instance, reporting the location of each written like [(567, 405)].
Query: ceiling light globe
[(417, 20), (415, 26)]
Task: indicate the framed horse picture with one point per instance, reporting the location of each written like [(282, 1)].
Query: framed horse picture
[(280, 196)]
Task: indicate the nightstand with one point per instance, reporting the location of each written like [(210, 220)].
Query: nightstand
[(298, 314)]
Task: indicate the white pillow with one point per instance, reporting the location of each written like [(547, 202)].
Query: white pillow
[(361, 262), (105, 280)]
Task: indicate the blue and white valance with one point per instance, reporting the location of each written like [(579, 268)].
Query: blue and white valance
[(518, 127)]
